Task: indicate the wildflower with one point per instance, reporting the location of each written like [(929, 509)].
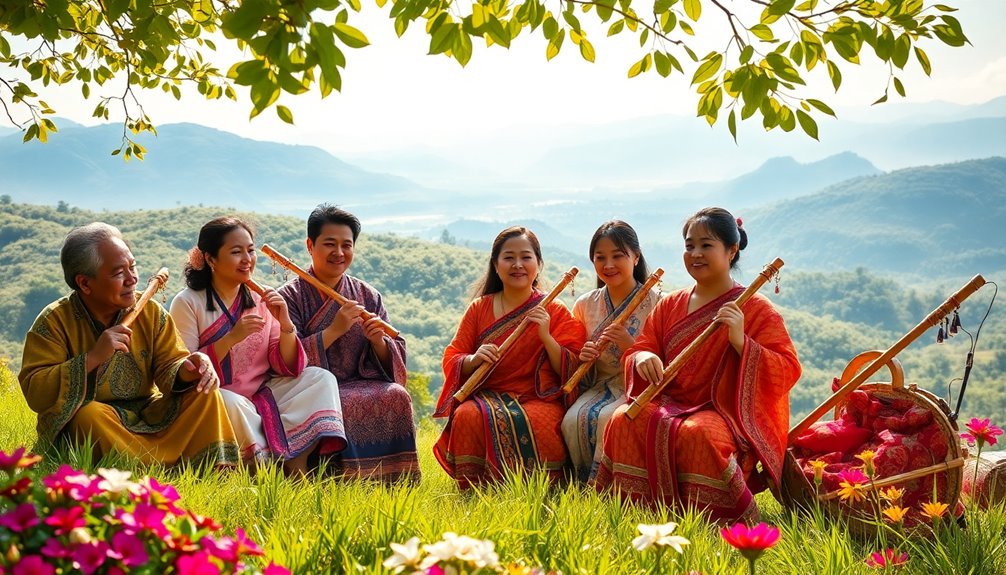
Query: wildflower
[(274, 569), (405, 555), (20, 518), (982, 432), (751, 542), (15, 489), (74, 484), (464, 549), (818, 467), (934, 510), (867, 457), (892, 494), (196, 564), (18, 460), (66, 519), (88, 557), (130, 549), (886, 558), (80, 535), (161, 496), (204, 522), (32, 565), (659, 535), (895, 514), (115, 481), (55, 549)]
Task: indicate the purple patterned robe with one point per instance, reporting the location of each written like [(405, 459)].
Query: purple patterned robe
[(375, 404)]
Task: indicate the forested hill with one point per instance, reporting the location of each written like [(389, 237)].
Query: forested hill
[(832, 316)]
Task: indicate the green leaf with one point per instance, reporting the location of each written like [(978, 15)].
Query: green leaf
[(923, 61), (707, 69), (4, 47), (732, 124), (693, 9), (835, 74), (780, 7), (944, 8), (462, 50), (284, 114), (85, 90), (763, 32), (880, 100), (639, 67), (497, 32), (616, 27), (901, 51), (32, 132), (586, 50), (555, 44), (899, 87), (246, 20), (323, 42), (821, 106), (662, 63), (807, 124), (660, 6), (787, 120), (350, 36), (550, 27), (746, 54), (263, 94)]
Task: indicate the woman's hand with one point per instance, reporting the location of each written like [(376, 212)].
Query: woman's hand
[(618, 335), (278, 308), (486, 353), (649, 366), (539, 316), (589, 352), (731, 316), (247, 325)]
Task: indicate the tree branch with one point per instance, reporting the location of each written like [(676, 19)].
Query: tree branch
[(656, 31)]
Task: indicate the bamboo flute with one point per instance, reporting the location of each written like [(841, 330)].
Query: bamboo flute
[(901, 477), (934, 317), (326, 290), (482, 371), (154, 284), (633, 304), (674, 367)]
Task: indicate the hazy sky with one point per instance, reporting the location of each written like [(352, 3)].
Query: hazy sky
[(395, 96)]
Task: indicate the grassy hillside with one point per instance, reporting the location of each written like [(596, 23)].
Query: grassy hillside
[(831, 316)]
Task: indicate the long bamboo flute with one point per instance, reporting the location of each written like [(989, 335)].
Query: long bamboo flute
[(256, 287), (848, 387), (632, 306), (674, 367), (328, 291), (154, 284), (902, 477), (482, 371)]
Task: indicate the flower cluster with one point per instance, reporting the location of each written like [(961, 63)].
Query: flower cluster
[(886, 558), (453, 555), (982, 432), (72, 521)]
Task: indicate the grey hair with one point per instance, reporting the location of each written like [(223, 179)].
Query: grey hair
[(79, 254)]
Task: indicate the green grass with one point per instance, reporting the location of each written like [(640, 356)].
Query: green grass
[(330, 526)]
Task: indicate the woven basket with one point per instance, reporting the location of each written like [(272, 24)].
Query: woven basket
[(990, 489), (797, 491)]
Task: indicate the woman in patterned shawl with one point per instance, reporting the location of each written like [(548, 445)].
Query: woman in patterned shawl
[(279, 408), (621, 272), (698, 442), (513, 420)]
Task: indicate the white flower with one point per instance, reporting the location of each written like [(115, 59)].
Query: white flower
[(659, 535), (405, 555), (115, 481), (80, 536), (476, 553)]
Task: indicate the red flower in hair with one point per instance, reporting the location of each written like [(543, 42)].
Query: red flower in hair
[(196, 259), (740, 222)]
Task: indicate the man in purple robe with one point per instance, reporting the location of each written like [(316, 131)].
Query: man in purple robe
[(369, 365)]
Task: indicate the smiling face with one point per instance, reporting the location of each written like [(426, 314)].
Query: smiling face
[(613, 265), (234, 262), (332, 252), (113, 286), (517, 264), (706, 257)]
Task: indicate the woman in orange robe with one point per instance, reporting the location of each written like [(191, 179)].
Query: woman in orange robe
[(697, 443), (512, 420)]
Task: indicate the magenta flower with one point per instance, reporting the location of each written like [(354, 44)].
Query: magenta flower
[(982, 432), (204, 522), (274, 569), (246, 545), (751, 542), (18, 460), (20, 518), (54, 549), (15, 489), (130, 549), (88, 557), (853, 475), (74, 484), (160, 496), (886, 558), (224, 549), (66, 519), (196, 564), (32, 565), (144, 517)]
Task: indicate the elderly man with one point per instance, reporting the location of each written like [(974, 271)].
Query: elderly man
[(134, 390)]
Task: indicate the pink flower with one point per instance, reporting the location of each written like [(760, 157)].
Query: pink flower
[(196, 564), (18, 460), (246, 545), (853, 475), (66, 519), (144, 517), (22, 517), (32, 565), (130, 549), (54, 549), (982, 432), (230, 549), (89, 556), (204, 522), (74, 484), (160, 496), (751, 542), (17, 488), (274, 569), (886, 558)]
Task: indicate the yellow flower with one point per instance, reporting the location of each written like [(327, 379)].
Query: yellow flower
[(867, 458), (818, 466), (892, 494), (853, 491), (895, 514), (934, 510)]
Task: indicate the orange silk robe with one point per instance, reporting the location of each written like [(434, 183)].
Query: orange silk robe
[(513, 420), (698, 442)]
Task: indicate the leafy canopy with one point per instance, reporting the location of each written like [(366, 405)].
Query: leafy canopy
[(294, 46)]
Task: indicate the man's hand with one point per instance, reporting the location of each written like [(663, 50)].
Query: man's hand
[(113, 339), (197, 366)]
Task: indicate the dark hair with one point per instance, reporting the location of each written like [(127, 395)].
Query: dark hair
[(723, 226), (211, 240), (624, 237), (491, 281), (329, 214)]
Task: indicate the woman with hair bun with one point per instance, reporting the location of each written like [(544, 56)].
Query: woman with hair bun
[(696, 445), (621, 273)]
